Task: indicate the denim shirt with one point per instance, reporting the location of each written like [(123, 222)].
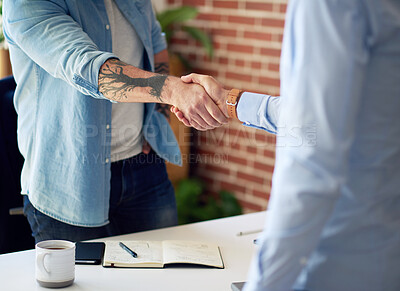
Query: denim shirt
[(333, 220), (57, 48)]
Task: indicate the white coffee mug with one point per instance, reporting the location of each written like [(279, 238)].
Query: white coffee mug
[(55, 263)]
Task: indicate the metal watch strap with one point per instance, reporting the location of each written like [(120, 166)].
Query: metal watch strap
[(232, 101)]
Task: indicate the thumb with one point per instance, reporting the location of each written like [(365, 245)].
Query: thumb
[(187, 78)]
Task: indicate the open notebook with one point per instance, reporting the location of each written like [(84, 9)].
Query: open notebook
[(156, 254)]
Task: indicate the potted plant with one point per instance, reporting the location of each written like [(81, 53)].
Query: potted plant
[(173, 20), (194, 204)]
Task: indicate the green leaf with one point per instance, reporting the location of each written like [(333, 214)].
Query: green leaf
[(203, 38), (229, 204), (195, 205), (177, 15)]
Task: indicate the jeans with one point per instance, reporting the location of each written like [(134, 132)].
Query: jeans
[(141, 198)]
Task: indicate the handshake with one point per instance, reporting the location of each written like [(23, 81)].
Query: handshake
[(208, 104), (197, 100)]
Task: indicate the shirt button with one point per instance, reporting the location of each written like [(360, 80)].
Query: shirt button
[(107, 27), (107, 160), (107, 126)]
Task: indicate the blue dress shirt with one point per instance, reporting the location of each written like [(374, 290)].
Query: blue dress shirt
[(64, 123), (334, 216)]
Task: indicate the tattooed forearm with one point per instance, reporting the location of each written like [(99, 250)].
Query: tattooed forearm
[(162, 68), (115, 84)]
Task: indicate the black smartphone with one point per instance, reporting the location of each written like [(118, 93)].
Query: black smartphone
[(89, 253)]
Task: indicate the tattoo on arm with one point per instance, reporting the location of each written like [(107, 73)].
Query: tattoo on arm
[(115, 84), (162, 68)]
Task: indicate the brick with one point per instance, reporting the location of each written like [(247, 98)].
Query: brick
[(192, 57), (237, 160), (271, 52), (232, 187), (273, 22), (237, 76), (240, 48), (206, 59), (209, 17), (241, 20), (250, 178), (283, 8), (263, 167), (269, 154), (224, 32), (257, 35), (252, 150), (180, 41), (194, 2), (235, 146), (273, 67), (259, 6), (256, 65), (223, 60), (217, 169), (265, 138), (225, 4), (270, 81), (261, 194), (239, 63), (209, 72), (217, 45)]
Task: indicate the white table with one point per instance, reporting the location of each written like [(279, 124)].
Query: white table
[(17, 270)]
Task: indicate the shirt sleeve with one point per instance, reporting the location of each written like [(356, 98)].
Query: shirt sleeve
[(259, 111), (158, 37), (54, 41), (322, 70)]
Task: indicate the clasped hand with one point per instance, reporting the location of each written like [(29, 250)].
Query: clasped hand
[(209, 110)]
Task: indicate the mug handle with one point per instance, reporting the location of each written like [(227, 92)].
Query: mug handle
[(40, 263)]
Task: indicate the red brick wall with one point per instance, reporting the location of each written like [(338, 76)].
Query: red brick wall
[(247, 37)]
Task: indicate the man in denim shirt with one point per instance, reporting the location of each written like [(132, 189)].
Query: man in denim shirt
[(85, 174)]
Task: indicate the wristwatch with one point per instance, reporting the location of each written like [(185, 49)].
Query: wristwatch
[(232, 101)]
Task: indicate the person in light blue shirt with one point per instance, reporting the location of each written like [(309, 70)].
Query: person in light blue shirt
[(71, 58), (333, 221)]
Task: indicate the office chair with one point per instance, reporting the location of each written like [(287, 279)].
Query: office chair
[(15, 233)]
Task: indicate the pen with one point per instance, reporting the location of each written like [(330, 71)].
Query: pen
[(249, 232), (132, 253)]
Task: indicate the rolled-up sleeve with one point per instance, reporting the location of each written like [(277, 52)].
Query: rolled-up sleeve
[(158, 37), (54, 41)]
